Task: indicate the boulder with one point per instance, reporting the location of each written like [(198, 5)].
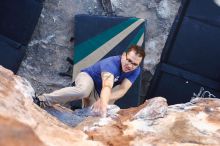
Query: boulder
[(154, 123)]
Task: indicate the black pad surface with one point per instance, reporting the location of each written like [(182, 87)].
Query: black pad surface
[(18, 18), (189, 65)]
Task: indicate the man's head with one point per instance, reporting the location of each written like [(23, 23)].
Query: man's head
[(131, 59)]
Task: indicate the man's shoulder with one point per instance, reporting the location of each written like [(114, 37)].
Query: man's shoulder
[(113, 58), (111, 64), (136, 71)]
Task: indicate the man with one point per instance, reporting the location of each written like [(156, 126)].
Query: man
[(95, 84)]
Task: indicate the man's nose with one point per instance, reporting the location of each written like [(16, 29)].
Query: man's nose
[(130, 65)]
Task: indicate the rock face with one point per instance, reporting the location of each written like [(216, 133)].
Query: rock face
[(196, 123), (51, 45), (16, 133), (28, 120)]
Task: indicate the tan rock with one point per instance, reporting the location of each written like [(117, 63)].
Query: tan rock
[(153, 123), (16, 104), (14, 133)]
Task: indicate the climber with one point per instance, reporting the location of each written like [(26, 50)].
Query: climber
[(96, 85)]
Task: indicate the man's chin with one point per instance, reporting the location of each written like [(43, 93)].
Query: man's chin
[(126, 70)]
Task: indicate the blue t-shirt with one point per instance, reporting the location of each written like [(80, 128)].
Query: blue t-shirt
[(113, 66)]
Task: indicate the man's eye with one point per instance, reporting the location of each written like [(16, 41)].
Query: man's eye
[(130, 61), (135, 64)]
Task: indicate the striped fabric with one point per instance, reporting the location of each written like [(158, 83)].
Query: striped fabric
[(98, 46), (98, 37)]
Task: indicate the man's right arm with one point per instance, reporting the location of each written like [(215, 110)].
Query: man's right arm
[(100, 106)]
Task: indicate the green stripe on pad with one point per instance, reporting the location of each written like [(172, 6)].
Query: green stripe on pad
[(84, 49)]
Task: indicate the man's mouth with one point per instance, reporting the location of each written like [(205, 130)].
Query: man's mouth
[(127, 68)]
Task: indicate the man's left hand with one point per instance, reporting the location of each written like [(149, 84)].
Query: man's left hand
[(99, 108)]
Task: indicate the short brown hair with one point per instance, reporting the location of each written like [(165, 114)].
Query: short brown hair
[(138, 50)]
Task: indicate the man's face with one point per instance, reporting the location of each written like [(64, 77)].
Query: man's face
[(130, 61)]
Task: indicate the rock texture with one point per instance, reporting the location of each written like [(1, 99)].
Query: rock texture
[(16, 133), (154, 123), (24, 119), (51, 45)]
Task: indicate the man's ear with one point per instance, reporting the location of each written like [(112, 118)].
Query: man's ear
[(123, 54)]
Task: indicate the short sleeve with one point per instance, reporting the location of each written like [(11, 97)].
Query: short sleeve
[(133, 76), (108, 65)]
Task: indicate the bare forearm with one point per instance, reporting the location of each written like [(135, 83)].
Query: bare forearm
[(117, 93), (120, 90), (105, 95)]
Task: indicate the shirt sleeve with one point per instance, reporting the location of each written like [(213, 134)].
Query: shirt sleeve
[(108, 66), (133, 76)]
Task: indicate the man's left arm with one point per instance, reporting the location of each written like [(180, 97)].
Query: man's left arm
[(124, 86), (121, 90)]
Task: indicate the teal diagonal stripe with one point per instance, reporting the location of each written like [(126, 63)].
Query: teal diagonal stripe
[(84, 49), (137, 37)]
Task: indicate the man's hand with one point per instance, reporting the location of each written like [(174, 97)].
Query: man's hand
[(99, 108)]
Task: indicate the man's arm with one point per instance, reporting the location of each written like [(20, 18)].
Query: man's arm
[(121, 90), (100, 106)]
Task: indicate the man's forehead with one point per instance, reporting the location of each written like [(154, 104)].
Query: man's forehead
[(134, 57), (133, 53)]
